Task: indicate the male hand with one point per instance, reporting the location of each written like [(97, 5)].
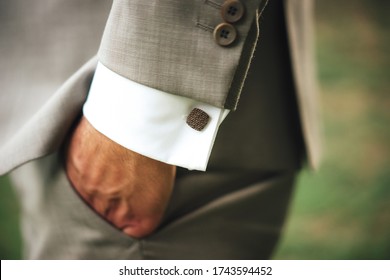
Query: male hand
[(129, 190)]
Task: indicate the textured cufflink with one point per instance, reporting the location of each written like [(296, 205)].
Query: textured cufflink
[(197, 119)]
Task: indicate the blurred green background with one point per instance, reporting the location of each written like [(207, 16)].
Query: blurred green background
[(343, 210)]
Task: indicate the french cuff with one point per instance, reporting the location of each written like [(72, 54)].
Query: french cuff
[(165, 127)]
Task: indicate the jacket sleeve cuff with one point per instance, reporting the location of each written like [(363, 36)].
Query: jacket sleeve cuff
[(149, 121)]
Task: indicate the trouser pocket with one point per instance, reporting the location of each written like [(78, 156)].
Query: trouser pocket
[(222, 215), (58, 224)]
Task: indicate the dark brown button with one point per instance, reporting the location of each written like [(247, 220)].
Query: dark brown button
[(232, 10), (198, 119), (225, 34)]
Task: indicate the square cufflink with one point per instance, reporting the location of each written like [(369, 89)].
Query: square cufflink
[(198, 119)]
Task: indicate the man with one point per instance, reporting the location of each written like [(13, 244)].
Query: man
[(169, 72)]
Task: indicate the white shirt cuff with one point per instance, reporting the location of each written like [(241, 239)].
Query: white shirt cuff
[(149, 121)]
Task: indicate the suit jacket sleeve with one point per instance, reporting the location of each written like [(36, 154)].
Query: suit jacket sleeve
[(170, 45)]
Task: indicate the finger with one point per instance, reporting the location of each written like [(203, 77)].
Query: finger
[(121, 213), (140, 228), (135, 225), (100, 204), (112, 208)]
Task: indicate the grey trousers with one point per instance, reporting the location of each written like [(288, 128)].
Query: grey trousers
[(211, 215)]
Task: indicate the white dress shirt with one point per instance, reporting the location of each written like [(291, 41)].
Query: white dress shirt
[(149, 121)]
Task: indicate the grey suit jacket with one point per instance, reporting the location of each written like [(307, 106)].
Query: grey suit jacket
[(169, 45)]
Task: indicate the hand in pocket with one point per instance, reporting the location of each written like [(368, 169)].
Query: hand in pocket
[(129, 190)]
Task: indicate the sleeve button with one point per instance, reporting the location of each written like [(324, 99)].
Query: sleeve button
[(232, 11), (225, 34)]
